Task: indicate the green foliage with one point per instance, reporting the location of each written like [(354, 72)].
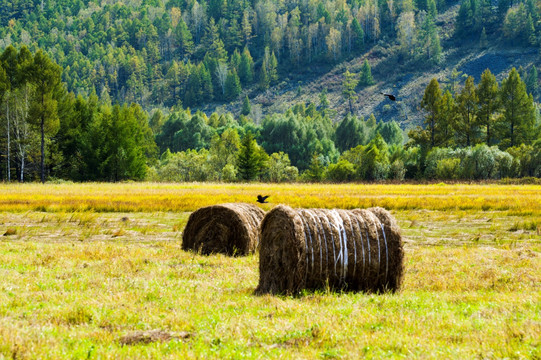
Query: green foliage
[(518, 120), (489, 103), (279, 169), (350, 133), (232, 86), (366, 75), (342, 171), (466, 122), (246, 67), (246, 107), (348, 89), (252, 159)]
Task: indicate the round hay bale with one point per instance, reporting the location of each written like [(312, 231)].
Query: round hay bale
[(231, 229), (354, 250)]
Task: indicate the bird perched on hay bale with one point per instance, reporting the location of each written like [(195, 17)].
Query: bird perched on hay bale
[(358, 250), (231, 229)]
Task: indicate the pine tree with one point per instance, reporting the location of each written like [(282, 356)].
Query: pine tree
[(532, 82), (348, 89), (431, 104), (246, 106), (466, 126), (273, 68), (323, 101), (232, 85), (246, 67), (483, 40), (207, 91), (235, 60), (46, 76), (264, 80), (518, 111), (366, 74), (250, 159), (184, 39), (359, 34), (488, 94)]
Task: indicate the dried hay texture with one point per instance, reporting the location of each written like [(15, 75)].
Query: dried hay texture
[(352, 250), (231, 229)]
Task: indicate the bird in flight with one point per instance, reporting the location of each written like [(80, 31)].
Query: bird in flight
[(390, 96), (261, 199)]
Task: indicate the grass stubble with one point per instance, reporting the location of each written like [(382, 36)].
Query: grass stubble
[(75, 283)]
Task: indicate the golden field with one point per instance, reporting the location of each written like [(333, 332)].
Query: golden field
[(82, 266), (150, 197)]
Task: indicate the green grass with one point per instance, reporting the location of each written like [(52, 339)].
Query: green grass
[(73, 284)]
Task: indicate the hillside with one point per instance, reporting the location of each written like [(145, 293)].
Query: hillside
[(210, 55), (406, 81)]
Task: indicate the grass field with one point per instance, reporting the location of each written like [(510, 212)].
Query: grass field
[(84, 267)]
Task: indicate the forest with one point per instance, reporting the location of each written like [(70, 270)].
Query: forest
[(113, 91)]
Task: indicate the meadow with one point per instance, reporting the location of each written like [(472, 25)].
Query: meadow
[(84, 268)]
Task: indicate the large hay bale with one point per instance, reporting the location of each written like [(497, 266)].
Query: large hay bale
[(356, 250), (231, 229)]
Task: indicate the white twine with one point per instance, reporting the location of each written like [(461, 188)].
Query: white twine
[(325, 238), (343, 243), (386, 252), (331, 225), (379, 253), (319, 240), (362, 244), (354, 243), (305, 243)]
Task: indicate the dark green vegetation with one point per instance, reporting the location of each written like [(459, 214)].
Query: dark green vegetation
[(68, 121)]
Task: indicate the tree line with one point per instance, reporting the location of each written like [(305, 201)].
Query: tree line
[(484, 131)]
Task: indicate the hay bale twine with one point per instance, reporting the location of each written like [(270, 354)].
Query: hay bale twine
[(231, 229), (354, 250)]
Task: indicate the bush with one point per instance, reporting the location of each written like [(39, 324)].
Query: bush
[(342, 171), (398, 170), (448, 169)]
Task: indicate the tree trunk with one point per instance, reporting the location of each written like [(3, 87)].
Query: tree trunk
[(42, 141), (9, 141)]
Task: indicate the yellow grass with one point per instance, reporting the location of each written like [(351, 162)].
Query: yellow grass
[(75, 283), (149, 197)]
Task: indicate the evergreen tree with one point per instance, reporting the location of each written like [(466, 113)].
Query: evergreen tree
[(350, 132), (431, 104), (488, 94), (518, 118), (532, 82), (232, 85), (246, 106), (366, 74), (466, 126), (207, 91), (46, 76), (246, 67), (250, 158), (264, 80), (348, 89), (316, 170), (273, 68), (483, 40), (358, 33), (184, 39), (323, 101)]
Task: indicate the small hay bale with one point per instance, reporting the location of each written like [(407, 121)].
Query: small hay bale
[(231, 229), (353, 250)]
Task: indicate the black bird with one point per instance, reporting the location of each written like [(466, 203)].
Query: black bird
[(261, 199), (390, 96)]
